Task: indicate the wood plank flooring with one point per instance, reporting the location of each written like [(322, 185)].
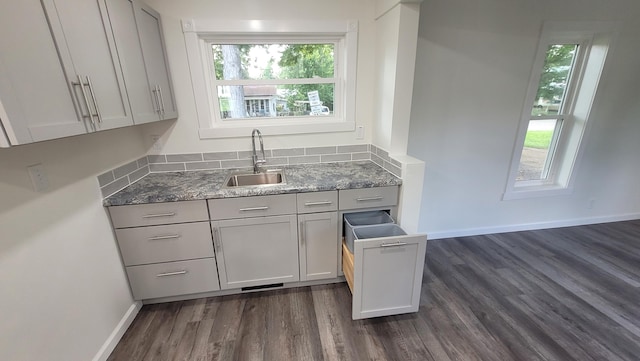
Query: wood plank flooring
[(561, 294)]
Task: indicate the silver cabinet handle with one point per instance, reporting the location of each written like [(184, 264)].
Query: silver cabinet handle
[(95, 102), (161, 99), (376, 198), (169, 236), (263, 208), (159, 215), (321, 203), (301, 232), (156, 102), (397, 244), (216, 239), (172, 273), (86, 100)]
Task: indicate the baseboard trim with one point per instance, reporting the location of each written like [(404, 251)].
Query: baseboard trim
[(532, 226), (111, 342)]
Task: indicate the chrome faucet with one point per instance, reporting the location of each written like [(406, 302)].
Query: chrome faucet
[(257, 162)]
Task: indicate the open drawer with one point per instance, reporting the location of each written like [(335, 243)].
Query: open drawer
[(384, 273)]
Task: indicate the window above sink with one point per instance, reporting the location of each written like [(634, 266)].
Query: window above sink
[(285, 77)]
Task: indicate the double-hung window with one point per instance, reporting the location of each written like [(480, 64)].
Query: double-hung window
[(561, 92), (283, 77)]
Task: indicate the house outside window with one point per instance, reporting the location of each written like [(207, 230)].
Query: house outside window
[(562, 89), (286, 78)]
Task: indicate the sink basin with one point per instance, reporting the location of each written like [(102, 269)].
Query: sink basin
[(245, 179)]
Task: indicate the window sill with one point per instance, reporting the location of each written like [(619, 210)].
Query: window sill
[(300, 127), (536, 192)]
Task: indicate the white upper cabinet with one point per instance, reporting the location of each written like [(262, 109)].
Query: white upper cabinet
[(33, 89), (123, 25), (70, 67), (90, 60), (143, 60), (155, 59)]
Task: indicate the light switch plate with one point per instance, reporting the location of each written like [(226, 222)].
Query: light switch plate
[(39, 178), (360, 132)]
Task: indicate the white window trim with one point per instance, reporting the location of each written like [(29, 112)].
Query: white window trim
[(598, 38), (197, 32)]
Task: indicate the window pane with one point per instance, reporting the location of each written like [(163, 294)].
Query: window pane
[(273, 61), (534, 162), (257, 101), (555, 76)]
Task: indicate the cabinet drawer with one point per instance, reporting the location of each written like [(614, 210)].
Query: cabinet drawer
[(368, 197), (317, 202), (173, 278), (158, 213), (244, 207), (384, 270), (155, 244)]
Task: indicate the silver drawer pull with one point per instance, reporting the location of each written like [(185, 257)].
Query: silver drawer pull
[(397, 244), (254, 209), (169, 236), (322, 203), (377, 198), (172, 273), (159, 215)]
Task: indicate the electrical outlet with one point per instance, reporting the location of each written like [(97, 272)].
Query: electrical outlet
[(156, 142), (360, 132), (39, 178)]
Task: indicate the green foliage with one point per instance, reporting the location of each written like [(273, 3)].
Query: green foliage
[(308, 61), (555, 72), (540, 139)]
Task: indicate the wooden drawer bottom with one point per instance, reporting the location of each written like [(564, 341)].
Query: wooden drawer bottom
[(173, 278), (347, 265)]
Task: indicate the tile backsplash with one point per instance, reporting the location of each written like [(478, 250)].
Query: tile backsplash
[(118, 178)]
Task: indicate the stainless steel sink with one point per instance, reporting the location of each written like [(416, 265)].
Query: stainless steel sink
[(247, 179)]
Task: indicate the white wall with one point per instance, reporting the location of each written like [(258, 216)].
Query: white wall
[(473, 65), (62, 285), (183, 137)]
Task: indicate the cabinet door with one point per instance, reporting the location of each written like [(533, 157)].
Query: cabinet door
[(144, 106), (33, 89), (256, 251), (87, 51), (387, 275), (318, 244), (155, 58)]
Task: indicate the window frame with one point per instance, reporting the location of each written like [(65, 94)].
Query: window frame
[(594, 40), (200, 34)]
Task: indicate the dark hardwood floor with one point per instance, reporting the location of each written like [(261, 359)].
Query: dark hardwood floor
[(561, 294)]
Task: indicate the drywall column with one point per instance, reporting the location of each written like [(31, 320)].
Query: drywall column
[(397, 37), (397, 28)]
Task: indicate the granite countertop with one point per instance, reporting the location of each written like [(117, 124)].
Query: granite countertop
[(195, 185)]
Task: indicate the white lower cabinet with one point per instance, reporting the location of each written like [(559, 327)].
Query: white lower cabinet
[(166, 248), (173, 278), (385, 275), (267, 241), (256, 251), (318, 245)]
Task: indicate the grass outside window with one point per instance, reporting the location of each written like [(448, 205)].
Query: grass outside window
[(539, 139)]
